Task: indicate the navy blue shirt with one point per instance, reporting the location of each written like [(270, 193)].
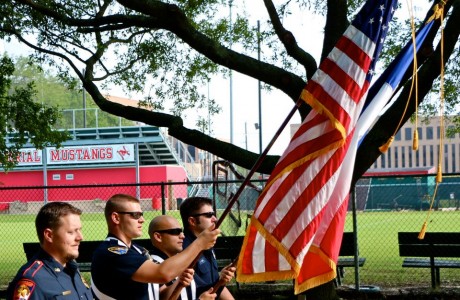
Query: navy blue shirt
[(206, 270), (44, 278), (112, 267)]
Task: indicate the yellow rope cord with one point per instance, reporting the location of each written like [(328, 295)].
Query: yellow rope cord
[(438, 11), (415, 80), (384, 147)]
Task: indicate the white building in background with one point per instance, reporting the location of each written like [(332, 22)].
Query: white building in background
[(400, 154)]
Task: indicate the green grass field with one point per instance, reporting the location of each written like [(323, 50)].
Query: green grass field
[(377, 238)]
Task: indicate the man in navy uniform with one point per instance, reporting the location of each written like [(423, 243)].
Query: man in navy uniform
[(167, 238), (53, 273), (120, 269), (197, 214)]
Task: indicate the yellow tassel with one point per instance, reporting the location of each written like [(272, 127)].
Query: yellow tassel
[(384, 148), (415, 140), (439, 176), (421, 235)]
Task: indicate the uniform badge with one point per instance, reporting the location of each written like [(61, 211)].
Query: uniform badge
[(24, 288), (118, 250)]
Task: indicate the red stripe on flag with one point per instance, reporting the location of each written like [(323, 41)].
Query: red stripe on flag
[(353, 51), (306, 236), (333, 164), (306, 125), (307, 147), (327, 101), (289, 182), (342, 79), (271, 258), (248, 262), (309, 193)]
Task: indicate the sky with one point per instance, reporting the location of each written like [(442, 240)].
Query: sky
[(275, 105), (244, 92)]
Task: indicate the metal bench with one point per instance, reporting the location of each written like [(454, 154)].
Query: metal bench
[(346, 256), (226, 248), (86, 250), (425, 253)]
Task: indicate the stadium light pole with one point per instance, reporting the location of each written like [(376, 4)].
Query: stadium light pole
[(231, 79), (84, 101), (260, 89)]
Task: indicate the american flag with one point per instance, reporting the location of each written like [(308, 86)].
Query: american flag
[(297, 225)]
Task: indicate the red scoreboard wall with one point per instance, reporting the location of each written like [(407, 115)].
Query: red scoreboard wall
[(99, 176)]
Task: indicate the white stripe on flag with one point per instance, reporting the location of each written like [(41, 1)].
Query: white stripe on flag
[(348, 65), (361, 40), (294, 193)]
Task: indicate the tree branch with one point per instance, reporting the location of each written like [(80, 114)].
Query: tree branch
[(289, 41), (336, 24), (173, 19)]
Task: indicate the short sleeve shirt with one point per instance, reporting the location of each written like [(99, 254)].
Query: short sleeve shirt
[(206, 269), (112, 267)]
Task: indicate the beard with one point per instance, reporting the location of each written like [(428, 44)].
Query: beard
[(71, 256)]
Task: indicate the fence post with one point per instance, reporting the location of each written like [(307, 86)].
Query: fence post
[(355, 238), (163, 199)]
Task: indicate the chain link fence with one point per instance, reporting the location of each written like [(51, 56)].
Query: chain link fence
[(384, 207)]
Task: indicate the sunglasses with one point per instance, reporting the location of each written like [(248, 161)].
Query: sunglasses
[(208, 214), (136, 215), (172, 231)]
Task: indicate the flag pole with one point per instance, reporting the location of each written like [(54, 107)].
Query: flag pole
[(258, 163), (176, 293)]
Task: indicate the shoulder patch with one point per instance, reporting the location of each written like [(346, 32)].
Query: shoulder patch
[(24, 289), (118, 250)]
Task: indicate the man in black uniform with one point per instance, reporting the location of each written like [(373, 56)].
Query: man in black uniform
[(53, 273), (167, 238), (197, 214), (122, 270)]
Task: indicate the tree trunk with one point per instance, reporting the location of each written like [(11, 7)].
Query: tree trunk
[(325, 291)]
